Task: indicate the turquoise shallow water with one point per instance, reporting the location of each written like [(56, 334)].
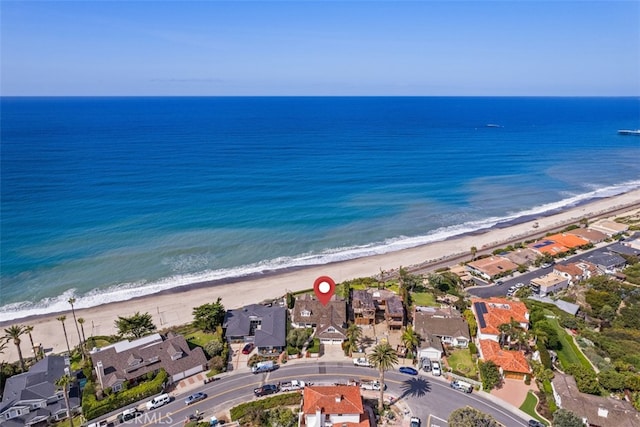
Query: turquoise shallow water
[(110, 198)]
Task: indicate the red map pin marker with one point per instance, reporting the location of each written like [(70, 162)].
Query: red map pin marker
[(324, 287)]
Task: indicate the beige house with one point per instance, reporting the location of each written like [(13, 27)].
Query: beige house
[(492, 267), (608, 227), (549, 283)]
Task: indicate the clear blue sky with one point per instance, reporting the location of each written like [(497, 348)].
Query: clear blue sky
[(539, 48)]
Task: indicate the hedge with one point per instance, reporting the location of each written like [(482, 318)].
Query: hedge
[(93, 408), (288, 399)]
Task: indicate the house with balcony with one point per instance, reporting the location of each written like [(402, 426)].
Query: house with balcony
[(549, 284), (33, 399), (338, 406), (394, 312), (130, 361), (363, 306)]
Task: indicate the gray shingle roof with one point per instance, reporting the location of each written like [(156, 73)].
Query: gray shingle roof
[(271, 332), (121, 365), (38, 383), (454, 327)]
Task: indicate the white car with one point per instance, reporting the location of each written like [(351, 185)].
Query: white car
[(415, 422), (435, 369), (519, 285)]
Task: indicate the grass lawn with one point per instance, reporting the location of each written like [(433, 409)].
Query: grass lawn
[(424, 298), (529, 407), (461, 361), (569, 354), (199, 338)]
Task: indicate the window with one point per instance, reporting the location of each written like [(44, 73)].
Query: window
[(305, 313)]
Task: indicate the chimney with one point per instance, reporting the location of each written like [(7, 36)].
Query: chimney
[(338, 398), (100, 372)]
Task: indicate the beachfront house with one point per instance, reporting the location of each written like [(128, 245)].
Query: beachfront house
[(325, 406), (609, 227), (329, 321), (131, 361), (363, 306), (394, 312), (263, 325), (33, 399), (593, 236), (492, 267)]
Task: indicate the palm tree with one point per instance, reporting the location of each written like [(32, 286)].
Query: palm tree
[(64, 329), (3, 346), (383, 358), (410, 339), (474, 251), (354, 334), (28, 329), (81, 322), (14, 332), (73, 312), (64, 382)]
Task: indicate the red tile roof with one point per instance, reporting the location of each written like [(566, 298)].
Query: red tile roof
[(568, 240), (340, 399), (508, 360), (500, 311)]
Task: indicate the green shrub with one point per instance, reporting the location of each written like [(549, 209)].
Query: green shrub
[(473, 349), (93, 408), (288, 399)]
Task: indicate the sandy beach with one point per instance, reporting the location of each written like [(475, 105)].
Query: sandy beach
[(175, 307)]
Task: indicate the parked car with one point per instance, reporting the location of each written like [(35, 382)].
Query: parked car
[(435, 369), (408, 370), (128, 415), (248, 348), (415, 422), (158, 401), (520, 285), (196, 397), (535, 423), (265, 390)]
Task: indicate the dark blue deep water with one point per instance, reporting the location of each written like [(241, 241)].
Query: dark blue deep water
[(108, 198)]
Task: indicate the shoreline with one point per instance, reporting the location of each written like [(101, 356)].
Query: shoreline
[(172, 307)]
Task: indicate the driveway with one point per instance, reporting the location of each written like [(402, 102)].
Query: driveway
[(514, 391)]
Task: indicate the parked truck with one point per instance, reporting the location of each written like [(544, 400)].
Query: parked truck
[(361, 361), (292, 385), (266, 366), (370, 385)]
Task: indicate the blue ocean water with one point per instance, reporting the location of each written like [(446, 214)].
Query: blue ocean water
[(109, 198)]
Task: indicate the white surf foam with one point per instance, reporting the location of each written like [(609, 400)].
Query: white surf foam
[(127, 291)]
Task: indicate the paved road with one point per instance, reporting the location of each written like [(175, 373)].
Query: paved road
[(425, 395), (501, 290)]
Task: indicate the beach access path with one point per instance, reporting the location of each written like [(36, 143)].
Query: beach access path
[(175, 307)]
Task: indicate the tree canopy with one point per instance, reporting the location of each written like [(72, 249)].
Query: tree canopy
[(209, 316), (135, 326), (471, 417)]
